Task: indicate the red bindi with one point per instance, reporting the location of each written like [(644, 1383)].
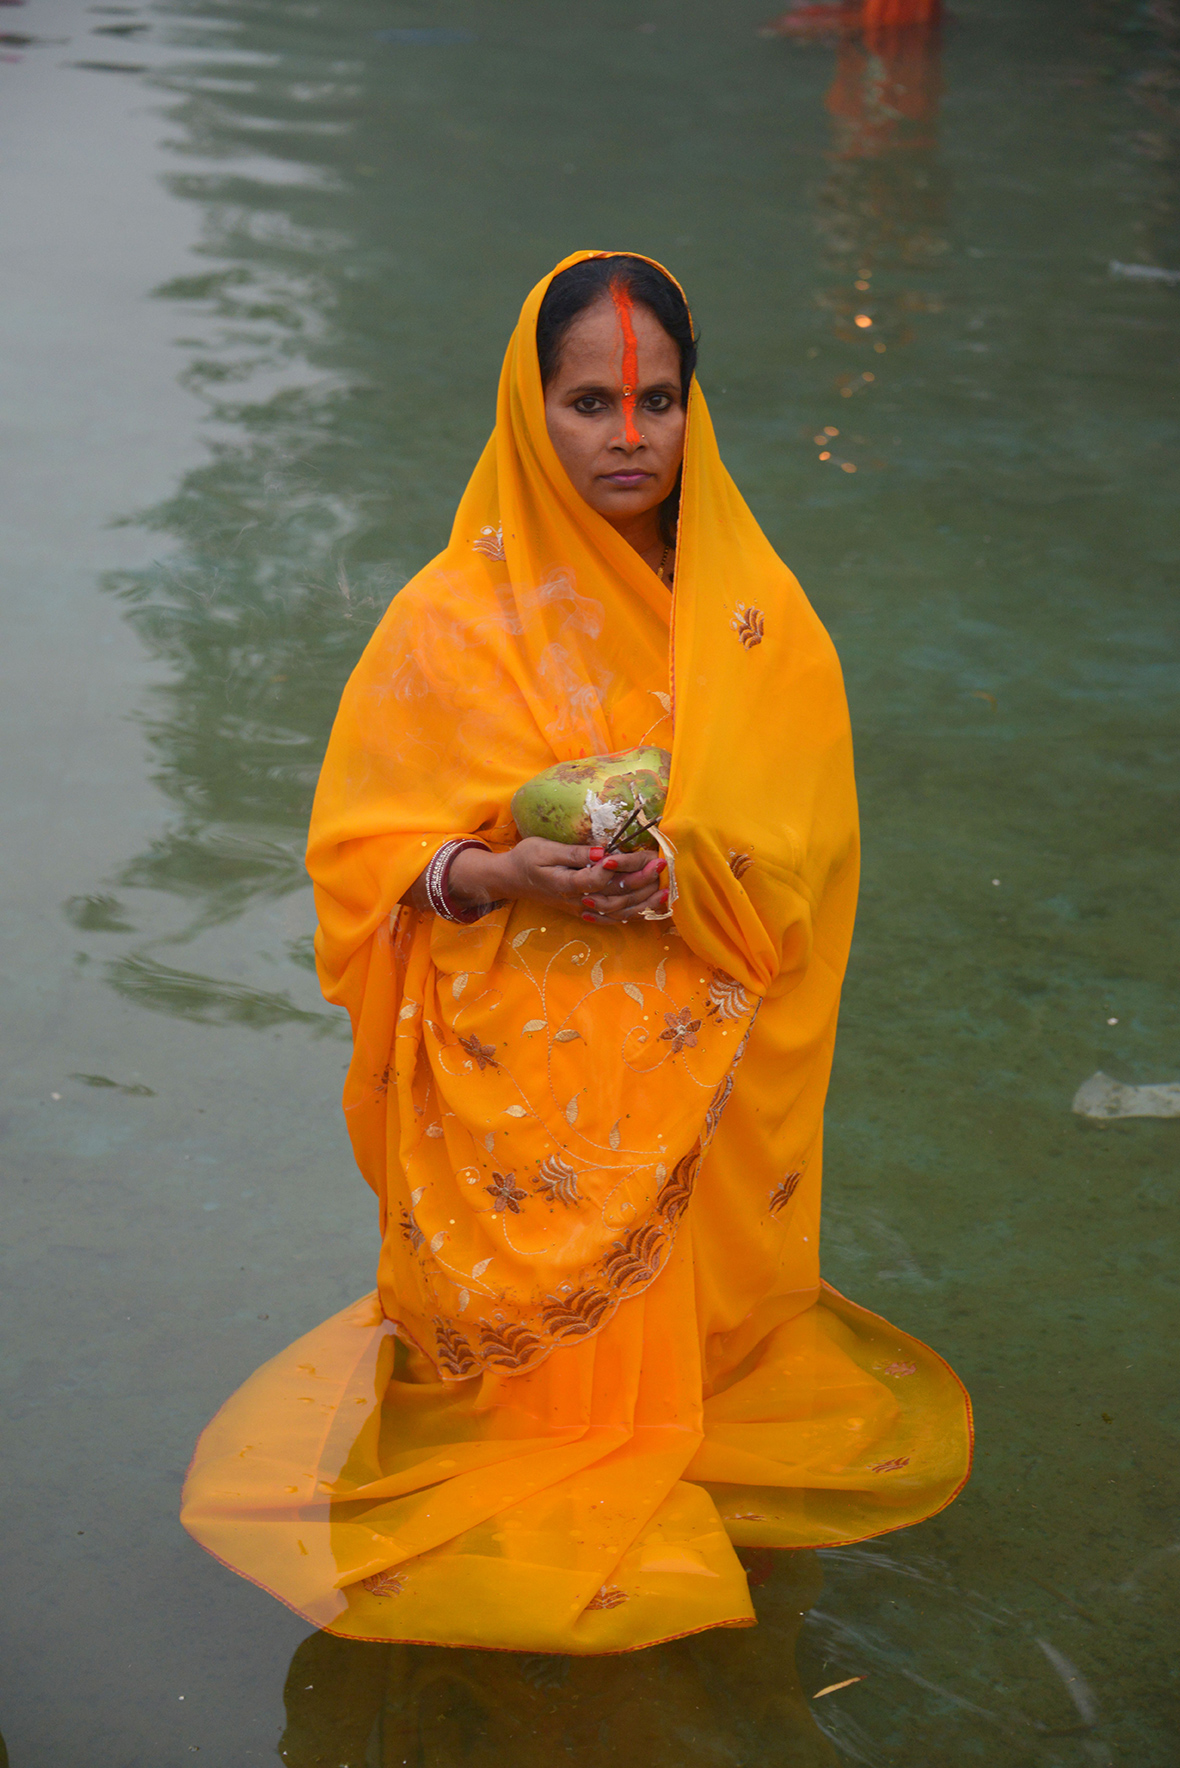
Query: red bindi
[(625, 311)]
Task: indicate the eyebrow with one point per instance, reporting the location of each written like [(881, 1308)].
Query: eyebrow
[(609, 392)]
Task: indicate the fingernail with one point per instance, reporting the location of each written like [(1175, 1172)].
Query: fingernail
[(596, 853), (589, 917), (610, 864), (661, 863), (587, 902), (662, 898)]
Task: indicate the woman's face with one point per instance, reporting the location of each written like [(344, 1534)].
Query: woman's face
[(613, 409)]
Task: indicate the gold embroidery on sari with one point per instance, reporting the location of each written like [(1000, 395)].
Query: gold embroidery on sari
[(454, 1353), (783, 1192), (483, 1054), (505, 1193), (557, 1181), (676, 1191), (490, 543), (572, 1316), (727, 998), (508, 1346), (749, 624), (384, 1584), (609, 1596), (411, 1230), (682, 1030), (622, 1179), (637, 1257)]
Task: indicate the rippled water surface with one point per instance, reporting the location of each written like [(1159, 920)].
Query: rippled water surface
[(260, 262)]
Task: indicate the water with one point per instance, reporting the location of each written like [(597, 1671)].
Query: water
[(254, 299)]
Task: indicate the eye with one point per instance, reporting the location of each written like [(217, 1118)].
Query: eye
[(658, 402), (588, 404)]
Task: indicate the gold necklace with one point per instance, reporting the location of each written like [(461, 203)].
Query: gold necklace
[(662, 563)]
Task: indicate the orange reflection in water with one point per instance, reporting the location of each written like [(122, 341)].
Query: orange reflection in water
[(888, 84), (825, 18), (882, 208)]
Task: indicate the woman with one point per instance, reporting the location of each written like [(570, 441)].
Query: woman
[(587, 1088)]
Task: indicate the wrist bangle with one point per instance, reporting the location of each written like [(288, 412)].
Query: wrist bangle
[(435, 881)]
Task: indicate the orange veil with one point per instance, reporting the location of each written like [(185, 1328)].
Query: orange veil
[(599, 1354)]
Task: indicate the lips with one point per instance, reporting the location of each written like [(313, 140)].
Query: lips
[(628, 481)]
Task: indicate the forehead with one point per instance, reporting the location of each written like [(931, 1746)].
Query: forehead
[(593, 346)]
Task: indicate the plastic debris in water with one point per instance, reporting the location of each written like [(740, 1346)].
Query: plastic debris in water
[(1144, 272), (1100, 1096)]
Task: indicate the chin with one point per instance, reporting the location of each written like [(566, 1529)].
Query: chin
[(634, 502)]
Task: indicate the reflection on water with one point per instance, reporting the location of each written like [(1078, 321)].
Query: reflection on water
[(718, 1699), (903, 1644), (883, 207), (882, 210), (259, 621)]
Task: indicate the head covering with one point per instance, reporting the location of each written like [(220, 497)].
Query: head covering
[(596, 1148)]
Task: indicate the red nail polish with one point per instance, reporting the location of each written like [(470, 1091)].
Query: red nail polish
[(596, 854), (587, 902), (610, 864), (589, 917), (662, 898), (661, 863)]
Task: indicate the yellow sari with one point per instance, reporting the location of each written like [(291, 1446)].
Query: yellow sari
[(599, 1354)]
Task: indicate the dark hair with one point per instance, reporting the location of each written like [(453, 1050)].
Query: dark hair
[(579, 287)]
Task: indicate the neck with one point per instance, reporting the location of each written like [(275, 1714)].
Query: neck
[(641, 531)]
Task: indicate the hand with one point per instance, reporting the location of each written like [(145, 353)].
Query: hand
[(579, 880)]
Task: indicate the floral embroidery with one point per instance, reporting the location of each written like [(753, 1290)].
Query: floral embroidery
[(490, 543), (901, 1369), (682, 1030), (384, 1584), (505, 1193), (727, 998), (783, 1193), (635, 1259), (572, 1316), (523, 1331), (484, 1054), (890, 1466), (609, 1596), (739, 863), (749, 624), (720, 1101), (508, 1347), (676, 1190), (411, 1230), (557, 1181), (454, 1352)]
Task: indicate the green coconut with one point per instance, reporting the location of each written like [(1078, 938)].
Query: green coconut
[(585, 803)]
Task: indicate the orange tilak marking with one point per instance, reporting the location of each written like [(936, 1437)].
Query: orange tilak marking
[(623, 308)]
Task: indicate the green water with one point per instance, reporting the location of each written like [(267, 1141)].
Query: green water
[(256, 282)]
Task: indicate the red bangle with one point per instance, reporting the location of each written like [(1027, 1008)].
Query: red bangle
[(435, 879)]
